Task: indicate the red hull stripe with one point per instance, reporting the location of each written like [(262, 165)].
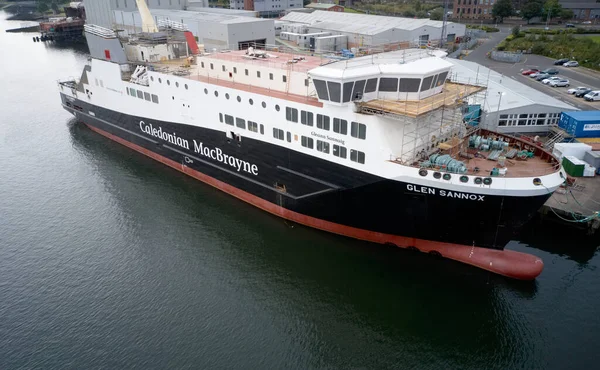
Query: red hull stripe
[(504, 262)]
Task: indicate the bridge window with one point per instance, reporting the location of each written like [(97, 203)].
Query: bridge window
[(358, 130), (323, 146), (334, 91), (252, 126), (307, 142), (356, 156), (339, 151), (323, 122), (388, 84), (321, 87), (441, 78), (340, 126), (306, 118), (277, 133), (359, 88), (241, 123), (229, 119), (426, 83), (291, 114), (347, 91), (371, 85), (409, 84)]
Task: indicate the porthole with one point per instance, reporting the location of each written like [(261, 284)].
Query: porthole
[(487, 181), (176, 84), (423, 172), (447, 176), (186, 86), (159, 80), (206, 91), (264, 105), (277, 107), (537, 182), (239, 99), (251, 101), (437, 175), (227, 96), (464, 179), (151, 78), (478, 180), (168, 82), (172, 97), (216, 93)]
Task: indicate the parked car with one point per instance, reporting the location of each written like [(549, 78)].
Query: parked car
[(551, 71), (569, 25), (560, 62), (586, 22), (563, 82), (541, 76), (592, 96), (571, 63), (575, 90), (547, 80), (582, 93), (527, 72)]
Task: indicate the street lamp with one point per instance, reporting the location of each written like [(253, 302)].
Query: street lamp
[(500, 93)]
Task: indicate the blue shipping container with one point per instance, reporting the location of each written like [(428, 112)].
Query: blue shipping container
[(581, 123)]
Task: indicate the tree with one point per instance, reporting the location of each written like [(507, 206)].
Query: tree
[(502, 9), (417, 5), (552, 7), (44, 5), (436, 14), (567, 14), (532, 9)]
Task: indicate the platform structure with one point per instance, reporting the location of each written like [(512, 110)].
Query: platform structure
[(577, 205)]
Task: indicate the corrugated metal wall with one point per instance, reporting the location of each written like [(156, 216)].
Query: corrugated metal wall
[(101, 12)]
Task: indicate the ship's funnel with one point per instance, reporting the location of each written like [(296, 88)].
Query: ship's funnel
[(148, 24)]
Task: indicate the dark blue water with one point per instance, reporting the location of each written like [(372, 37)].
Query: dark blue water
[(110, 260)]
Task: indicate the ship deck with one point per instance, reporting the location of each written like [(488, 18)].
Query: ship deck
[(449, 97), (278, 60), (530, 167)]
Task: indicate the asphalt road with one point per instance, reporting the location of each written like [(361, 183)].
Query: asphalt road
[(577, 76)]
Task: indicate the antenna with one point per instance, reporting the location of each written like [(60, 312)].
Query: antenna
[(148, 24)]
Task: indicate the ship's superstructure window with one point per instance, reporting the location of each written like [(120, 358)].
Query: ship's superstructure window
[(221, 117), (140, 94), (270, 76), (289, 136), (227, 96), (132, 92), (358, 130), (251, 101), (241, 123), (323, 146), (307, 142), (321, 87), (291, 114), (168, 82), (239, 99), (229, 119), (147, 96), (409, 84), (264, 105), (359, 88), (347, 94), (216, 93), (334, 91), (246, 71), (176, 84), (306, 82), (427, 83), (211, 66), (186, 86), (262, 129), (258, 74), (206, 91), (154, 98), (202, 64), (339, 151), (223, 67), (284, 78), (277, 107), (323, 122), (252, 126), (357, 156), (152, 78), (388, 84), (278, 134), (306, 118), (371, 85), (159, 80), (235, 70), (340, 126)]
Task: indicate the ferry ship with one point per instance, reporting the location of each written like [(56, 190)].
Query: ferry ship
[(373, 147)]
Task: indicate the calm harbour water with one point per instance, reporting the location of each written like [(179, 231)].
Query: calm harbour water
[(110, 260)]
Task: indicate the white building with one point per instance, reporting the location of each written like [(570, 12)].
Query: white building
[(364, 30), (269, 8), (214, 30), (508, 105), (101, 12)]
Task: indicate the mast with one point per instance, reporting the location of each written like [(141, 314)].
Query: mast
[(148, 24)]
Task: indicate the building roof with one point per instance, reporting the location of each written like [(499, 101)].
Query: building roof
[(503, 92), (585, 115), (177, 15), (359, 23), (320, 6), (240, 12)]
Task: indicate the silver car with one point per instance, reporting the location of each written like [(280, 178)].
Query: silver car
[(547, 80), (562, 82), (571, 63)]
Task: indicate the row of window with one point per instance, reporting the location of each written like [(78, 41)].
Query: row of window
[(468, 11), (537, 119), (241, 123), (168, 82), (247, 72), (142, 95), (332, 91), (340, 126), (481, 2), (338, 150)]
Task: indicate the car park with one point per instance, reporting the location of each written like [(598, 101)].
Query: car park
[(541, 76), (592, 96), (571, 63), (547, 80), (575, 90), (582, 93), (529, 71), (562, 82), (560, 62), (551, 71)]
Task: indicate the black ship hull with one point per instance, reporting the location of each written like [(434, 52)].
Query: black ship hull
[(316, 192)]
